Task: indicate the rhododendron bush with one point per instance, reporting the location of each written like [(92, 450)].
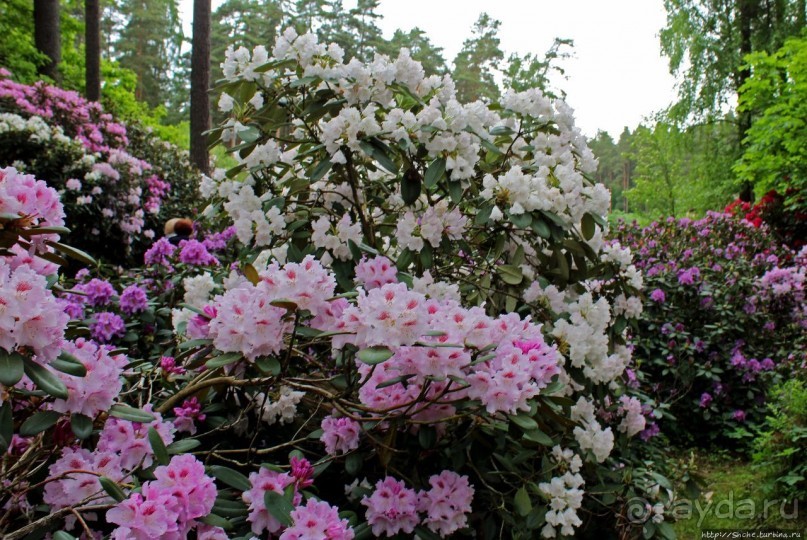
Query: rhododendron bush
[(113, 179), (408, 325), (724, 319)]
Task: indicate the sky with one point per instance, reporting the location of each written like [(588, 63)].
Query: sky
[(616, 77)]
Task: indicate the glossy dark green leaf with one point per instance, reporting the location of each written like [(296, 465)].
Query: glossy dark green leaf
[(230, 477), (158, 446), (436, 171), (73, 253), (45, 380), (588, 226), (183, 446), (112, 488), (268, 364), (522, 502), (81, 425), (6, 426), (223, 360), (411, 184), (12, 367), (279, 506), (320, 170), (512, 275), (125, 412), (39, 422)]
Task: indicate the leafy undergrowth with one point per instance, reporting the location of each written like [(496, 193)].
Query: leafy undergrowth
[(734, 497)]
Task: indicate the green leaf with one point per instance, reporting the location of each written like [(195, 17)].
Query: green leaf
[(510, 274), (39, 422), (436, 171), (193, 343), (158, 446), (522, 221), (483, 215), (26, 233), (522, 502), (279, 505), (427, 436), (45, 380), (67, 363), (268, 364), (81, 425), (217, 521), (12, 367), (354, 463), (320, 170), (524, 422), (223, 360), (182, 446), (374, 355), (536, 435), (541, 228), (284, 303), (73, 253), (379, 152), (230, 477), (61, 535), (411, 184), (588, 226), (6, 426), (125, 412), (405, 259), (112, 488)]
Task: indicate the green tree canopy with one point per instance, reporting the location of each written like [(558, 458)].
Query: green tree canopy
[(478, 61)]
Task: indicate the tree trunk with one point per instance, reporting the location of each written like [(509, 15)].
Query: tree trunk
[(47, 35), (747, 12), (200, 80), (92, 49)]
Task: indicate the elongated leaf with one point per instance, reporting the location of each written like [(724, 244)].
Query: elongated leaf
[(217, 521), (320, 170), (12, 367), (73, 253), (158, 446), (223, 360), (61, 535), (436, 171), (182, 446), (45, 380), (279, 506), (44, 230), (512, 275), (523, 421), (410, 186), (268, 364), (374, 355), (81, 425), (522, 502), (70, 366), (588, 226), (536, 435), (381, 153), (230, 477), (39, 422), (6, 426), (112, 488), (125, 412)]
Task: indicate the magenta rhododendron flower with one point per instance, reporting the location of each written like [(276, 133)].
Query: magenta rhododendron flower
[(194, 252), (133, 300), (107, 326)]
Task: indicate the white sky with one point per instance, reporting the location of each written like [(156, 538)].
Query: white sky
[(617, 75)]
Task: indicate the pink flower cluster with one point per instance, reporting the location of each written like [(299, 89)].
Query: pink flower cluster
[(31, 199), (30, 316), (169, 506), (393, 508), (262, 481), (130, 439), (194, 252), (82, 119), (96, 391), (317, 520), (159, 253), (340, 435), (133, 300), (99, 292), (376, 272), (107, 326), (188, 414), (307, 284), (75, 477), (157, 190)]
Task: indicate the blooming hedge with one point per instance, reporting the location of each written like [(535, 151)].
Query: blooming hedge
[(410, 326), (724, 319)]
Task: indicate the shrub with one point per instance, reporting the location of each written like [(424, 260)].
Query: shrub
[(782, 446), (723, 320), (417, 306)]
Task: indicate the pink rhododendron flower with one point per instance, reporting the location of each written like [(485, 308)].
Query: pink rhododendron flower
[(96, 391), (307, 284), (194, 252), (392, 508), (262, 481), (447, 503), (376, 272), (340, 435), (72, 486), (187, 415), (107, 326), (133, 300), (130, 439), (317, 520)]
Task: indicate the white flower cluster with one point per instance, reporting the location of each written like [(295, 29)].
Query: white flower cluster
[(337, 244), (198, 289), (38, 130), (282, 409), (591, 436), (634, 421), (565, 495)]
